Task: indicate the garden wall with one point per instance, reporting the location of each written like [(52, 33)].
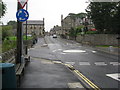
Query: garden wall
[(98, 39)]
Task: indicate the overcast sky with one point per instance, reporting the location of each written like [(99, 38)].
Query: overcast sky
[(51, 10)]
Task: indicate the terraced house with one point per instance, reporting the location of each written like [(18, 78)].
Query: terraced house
[(34, 26)]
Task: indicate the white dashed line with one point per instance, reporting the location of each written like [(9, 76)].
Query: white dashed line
[(84, 63), (72, 63), (115, 63), (100, 63)]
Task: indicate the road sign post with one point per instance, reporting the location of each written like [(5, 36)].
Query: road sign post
[(22, 15), (19, 39)]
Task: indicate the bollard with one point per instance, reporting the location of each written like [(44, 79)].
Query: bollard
[(8, 75)]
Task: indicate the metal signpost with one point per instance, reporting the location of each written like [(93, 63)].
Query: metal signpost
[(21, 15)]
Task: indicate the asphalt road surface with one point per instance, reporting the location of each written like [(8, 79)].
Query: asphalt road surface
[(100, 68)]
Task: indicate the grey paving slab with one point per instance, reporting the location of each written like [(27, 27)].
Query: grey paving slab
[(42, 73)]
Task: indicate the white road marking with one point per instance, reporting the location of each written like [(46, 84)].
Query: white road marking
[(54, 50), (74, 51), (84, 63), (115, 63), (94, 51), (62, 53), (72, 63), (115, 76), (100, 63), (75, 85), (59, 49), (32, 48)]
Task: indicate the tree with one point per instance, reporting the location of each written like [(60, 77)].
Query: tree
[(2, 9), (13, 24), (105, 16)]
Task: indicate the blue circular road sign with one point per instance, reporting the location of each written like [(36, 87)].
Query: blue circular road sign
[(22, 15)]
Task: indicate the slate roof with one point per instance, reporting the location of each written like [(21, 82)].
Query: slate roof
[(34, 22)]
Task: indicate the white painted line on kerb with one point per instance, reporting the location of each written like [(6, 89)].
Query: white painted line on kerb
[(100, 63), (115, 76), (84, 63)]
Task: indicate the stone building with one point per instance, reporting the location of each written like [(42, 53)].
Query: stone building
[(34, 26), (73, 22), (56, 30)]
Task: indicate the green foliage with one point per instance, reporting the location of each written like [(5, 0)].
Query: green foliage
[(6, 31), (10, 42), (13, 24), (7, 45), (14, 38), (105, 16), (28, 38), (72, 32), (2, 9), (79, 15), (91, 32), (75, 31)]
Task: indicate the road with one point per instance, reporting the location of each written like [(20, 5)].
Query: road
[(100, 68)]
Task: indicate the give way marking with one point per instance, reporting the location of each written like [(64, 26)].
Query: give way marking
[(115, 76)]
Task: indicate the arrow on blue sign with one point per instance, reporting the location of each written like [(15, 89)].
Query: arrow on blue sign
[(22, 15)]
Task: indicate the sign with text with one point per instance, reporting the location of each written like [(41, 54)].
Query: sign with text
[(22, 3)]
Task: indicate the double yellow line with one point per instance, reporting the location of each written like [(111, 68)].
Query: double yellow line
[(87, 80)]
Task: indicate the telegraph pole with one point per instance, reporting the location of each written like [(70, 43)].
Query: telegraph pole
[(19, 38)]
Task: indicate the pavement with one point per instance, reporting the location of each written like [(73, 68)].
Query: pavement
[(44, 73), (110, 50)]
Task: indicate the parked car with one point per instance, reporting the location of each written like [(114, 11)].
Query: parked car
[(54, 36)]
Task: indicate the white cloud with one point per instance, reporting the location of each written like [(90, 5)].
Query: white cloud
[(51, 10)]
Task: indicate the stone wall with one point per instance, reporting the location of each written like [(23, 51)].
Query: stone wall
[(98, 39)]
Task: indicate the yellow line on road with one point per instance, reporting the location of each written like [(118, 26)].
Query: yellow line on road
[(87, 80)]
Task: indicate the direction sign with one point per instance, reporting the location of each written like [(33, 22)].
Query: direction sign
[(22, 15), (22, 3)]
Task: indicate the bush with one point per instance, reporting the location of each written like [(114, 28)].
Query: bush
[(6, 31), (91, 32), (7, 45)]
